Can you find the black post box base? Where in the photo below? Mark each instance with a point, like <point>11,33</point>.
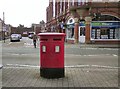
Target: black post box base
<point>52,72</point>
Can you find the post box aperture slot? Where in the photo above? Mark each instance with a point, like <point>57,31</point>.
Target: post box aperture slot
<point>57,39</point>
<point>43,39</point>
<point>44,49</point>
<point>57,49</point>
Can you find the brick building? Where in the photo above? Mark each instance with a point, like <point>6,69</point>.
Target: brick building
<point>38,28</point>
<point>85,22</point>
<point>21,30</point>
<point>4,30</point>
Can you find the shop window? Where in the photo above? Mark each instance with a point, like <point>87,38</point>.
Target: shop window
<point>111,34</point>
<point>71,33</point>
<point>117,33</point>
<point>98,34</point>
<point>104,33</point>
<point>93,33</point>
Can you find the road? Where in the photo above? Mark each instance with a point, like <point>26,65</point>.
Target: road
<point>24,53</point>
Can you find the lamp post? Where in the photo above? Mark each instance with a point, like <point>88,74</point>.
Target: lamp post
<point>3,27</point>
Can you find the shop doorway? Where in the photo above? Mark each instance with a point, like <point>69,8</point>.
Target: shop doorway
<point>82,34</point>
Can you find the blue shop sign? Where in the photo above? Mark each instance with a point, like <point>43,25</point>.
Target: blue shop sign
<point>105,24</point>
<point>70,25</point>
<point>82,23</point>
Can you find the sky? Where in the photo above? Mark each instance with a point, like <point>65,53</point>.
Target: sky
<point>24,12</point>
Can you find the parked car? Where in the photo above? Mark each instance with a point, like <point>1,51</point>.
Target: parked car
<point>14,37</point>
<point>20,36</point>
<point>30,34</point>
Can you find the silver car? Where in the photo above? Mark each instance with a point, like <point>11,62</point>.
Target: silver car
<point>20,36</point>
<point>14,37</point>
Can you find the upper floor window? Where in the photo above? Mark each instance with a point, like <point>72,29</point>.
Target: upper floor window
<point>53,8</point>
<point>61,2</point>
<point>79,2</point>
<point>71,2</point>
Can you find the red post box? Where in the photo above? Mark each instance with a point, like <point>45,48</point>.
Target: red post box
<point>52,55</point>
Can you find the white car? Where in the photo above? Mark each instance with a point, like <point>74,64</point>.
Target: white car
<point>20,36</point>
<point>14,37</point>
<point>30,36</point>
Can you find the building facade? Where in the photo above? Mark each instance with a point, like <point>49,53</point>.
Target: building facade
<point>21,30</point>
<point>0,29</point>
<point>38,28</point>
<point>4,30</point>
<point>85,22</point>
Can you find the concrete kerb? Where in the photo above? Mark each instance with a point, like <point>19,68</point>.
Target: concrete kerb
<point>79,45</point>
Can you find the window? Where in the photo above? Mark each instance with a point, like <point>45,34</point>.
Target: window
<point>72,2</point>
<point>71,20</point>
<point>79,2</point>
<point>68,3</point>
<point>53,8</point>
<point>61,6</point>
<point>71,33</point>
<point>117,33</point>
<point>105,33</point>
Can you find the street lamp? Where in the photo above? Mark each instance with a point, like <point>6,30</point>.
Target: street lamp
<point>3,27</point>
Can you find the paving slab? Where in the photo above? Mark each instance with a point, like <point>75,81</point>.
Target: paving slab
<point>88,77</point>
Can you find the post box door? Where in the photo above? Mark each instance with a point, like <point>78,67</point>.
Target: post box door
<point>52,55</point>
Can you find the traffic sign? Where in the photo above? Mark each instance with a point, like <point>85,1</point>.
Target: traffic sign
<point>4,28</point>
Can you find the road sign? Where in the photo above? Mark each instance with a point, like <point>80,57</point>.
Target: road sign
<point>4,28</point>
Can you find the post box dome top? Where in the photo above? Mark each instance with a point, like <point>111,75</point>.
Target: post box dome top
<point>51,34</point>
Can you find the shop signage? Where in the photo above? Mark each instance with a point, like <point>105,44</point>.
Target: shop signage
<point>82,23</point>
<point>105,24</point>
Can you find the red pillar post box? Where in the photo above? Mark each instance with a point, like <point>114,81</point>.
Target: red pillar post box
<point>52,55</point>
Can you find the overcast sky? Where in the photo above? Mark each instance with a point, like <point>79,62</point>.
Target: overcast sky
<point>23,12</point>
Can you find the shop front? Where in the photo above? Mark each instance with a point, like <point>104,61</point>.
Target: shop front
<point>105,31</point>
<point>70,31</point>
<point>100,32</point>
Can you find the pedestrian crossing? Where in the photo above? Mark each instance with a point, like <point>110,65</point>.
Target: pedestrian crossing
<point>30,45</point>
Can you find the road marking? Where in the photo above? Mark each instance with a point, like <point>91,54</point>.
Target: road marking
<point>30,45</point>
<point>101,48</point>
<point>114,55</point>
<point>9,43</point>
<point>19,65</point>
<point>19,54</point>
<point>71,66</point>
<point>92,55</point>
<point>101,66</point>
<point>15,54</point>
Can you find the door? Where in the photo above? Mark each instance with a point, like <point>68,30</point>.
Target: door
<point>82,34</point>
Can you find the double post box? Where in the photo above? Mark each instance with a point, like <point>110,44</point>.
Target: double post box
<point>52,55</point>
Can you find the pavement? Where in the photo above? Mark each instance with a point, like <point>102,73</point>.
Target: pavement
<point>75,77</point>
